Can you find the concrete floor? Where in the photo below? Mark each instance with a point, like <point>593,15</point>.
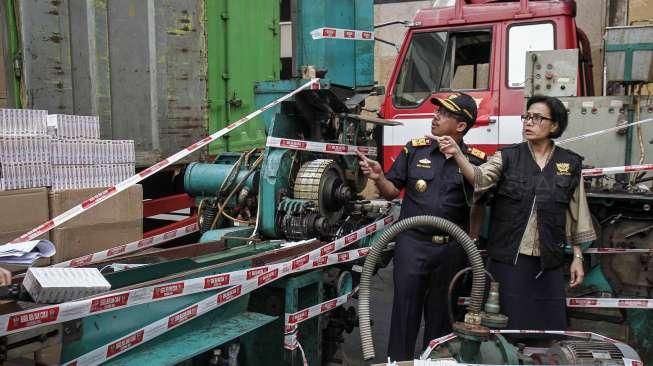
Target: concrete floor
<point>381,308</point>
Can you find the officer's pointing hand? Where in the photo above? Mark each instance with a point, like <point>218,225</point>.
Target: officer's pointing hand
<point>369,167</point>
<point>448,145</point>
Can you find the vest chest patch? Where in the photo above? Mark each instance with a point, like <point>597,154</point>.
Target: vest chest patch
<point>563,169</point>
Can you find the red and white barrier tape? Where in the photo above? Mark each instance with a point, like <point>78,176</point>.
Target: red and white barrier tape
<point>112,191</point>
<point>273,273</point>
<point>294,319</point>
<point>435,343</point>
<point>54,314</point>
<point>595,172</point>
<point>321,147</point>
<point>616,251</point>
<point>607,302</point>
<point>591,335</point>
<point>290,341</point>
<point>130,247</point>
<point>595,302</point>
<point>601,132</point>
<point>338,33</point>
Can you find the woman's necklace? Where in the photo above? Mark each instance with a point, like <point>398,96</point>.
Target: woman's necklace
<point>541,161</point>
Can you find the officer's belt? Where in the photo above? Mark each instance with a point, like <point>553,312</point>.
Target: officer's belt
<point>435,238</point>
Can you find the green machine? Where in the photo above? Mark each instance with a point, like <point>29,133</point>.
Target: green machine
<point>263,206</point>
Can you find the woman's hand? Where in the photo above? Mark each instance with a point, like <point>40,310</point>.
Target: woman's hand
<point>577,272</point>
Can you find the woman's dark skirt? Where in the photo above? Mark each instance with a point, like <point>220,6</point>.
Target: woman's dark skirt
<point>530,299</point>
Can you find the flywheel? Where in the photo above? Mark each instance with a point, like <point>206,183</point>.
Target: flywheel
<point>321,181</point>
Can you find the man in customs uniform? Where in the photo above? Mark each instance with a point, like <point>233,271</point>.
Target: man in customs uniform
<point>426,260</point>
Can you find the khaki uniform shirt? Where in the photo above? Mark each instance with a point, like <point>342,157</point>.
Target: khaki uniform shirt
<point>579,228</point>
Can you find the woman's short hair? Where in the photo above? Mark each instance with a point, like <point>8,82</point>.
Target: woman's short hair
<point>557,109</point>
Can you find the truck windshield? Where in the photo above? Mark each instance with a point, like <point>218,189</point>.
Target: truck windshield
<point>421,70</point>
<point>438,61</point>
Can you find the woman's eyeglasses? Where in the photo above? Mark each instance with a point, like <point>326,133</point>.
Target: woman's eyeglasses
<point>534,117</point>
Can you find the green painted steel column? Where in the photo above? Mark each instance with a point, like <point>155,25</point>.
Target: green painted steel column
<point>628,50</point>
<point>243,47</point>
<point>14,53</point>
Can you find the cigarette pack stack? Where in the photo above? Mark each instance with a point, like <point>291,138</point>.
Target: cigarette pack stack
<point>54,285</point>
<point>24,149</point>
<point>80,160</point>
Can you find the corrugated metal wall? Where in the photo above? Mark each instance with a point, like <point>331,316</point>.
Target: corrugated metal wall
<point>138,64</point>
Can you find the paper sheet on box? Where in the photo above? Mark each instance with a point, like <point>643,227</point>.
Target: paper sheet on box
<point>26,252</point>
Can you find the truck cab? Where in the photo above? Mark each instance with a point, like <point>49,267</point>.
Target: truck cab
<point>477,47</point>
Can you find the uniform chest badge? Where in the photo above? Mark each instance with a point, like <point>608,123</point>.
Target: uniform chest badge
<point>420,186</point>
<point>563,169</point>
<point>424,163</point>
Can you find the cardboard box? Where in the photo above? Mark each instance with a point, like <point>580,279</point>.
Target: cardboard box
<point>78,241</point>
<point>124,207</point>
<point>22,210</point>
<point>113,222</point>
<point>55,285</point>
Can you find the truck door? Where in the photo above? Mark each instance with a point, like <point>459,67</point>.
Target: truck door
<point>519,39</point>
<point>440,63</point>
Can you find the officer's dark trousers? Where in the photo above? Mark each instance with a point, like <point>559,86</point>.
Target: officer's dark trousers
<point>422,272</point>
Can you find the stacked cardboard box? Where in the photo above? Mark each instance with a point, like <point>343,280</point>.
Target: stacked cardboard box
<point>80,159</point>
<point>22,210</point>
<point>65,153</point>
<point>24,149</point>
<point>114,222</point>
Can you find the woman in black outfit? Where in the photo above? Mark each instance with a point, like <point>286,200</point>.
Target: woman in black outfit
<point>539,206</point>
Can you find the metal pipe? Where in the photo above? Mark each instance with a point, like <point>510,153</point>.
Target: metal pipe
<point>587,72</point>
<point>452,284</point>
<point>478,270</point>
<point>14,52</point>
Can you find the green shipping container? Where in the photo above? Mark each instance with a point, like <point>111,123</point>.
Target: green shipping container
<point>243,47</point>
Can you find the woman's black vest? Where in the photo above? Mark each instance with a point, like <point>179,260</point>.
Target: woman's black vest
<point>524,187</point>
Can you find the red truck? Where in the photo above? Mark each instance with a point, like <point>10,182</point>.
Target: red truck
<point>478,48</point>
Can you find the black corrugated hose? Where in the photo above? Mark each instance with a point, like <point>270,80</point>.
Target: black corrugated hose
<point>377,248</point>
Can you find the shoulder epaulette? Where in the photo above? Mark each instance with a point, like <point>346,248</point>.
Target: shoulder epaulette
<point>477,153</point>
<point>423,141</point>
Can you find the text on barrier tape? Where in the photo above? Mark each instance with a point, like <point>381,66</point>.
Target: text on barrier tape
<point>47,315</point>
<point>322,147</point>
<point>294,319</point>
<point>129,247</point>
<point>172,321</point>
<point>112,191</point>
<point>339,33</point>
